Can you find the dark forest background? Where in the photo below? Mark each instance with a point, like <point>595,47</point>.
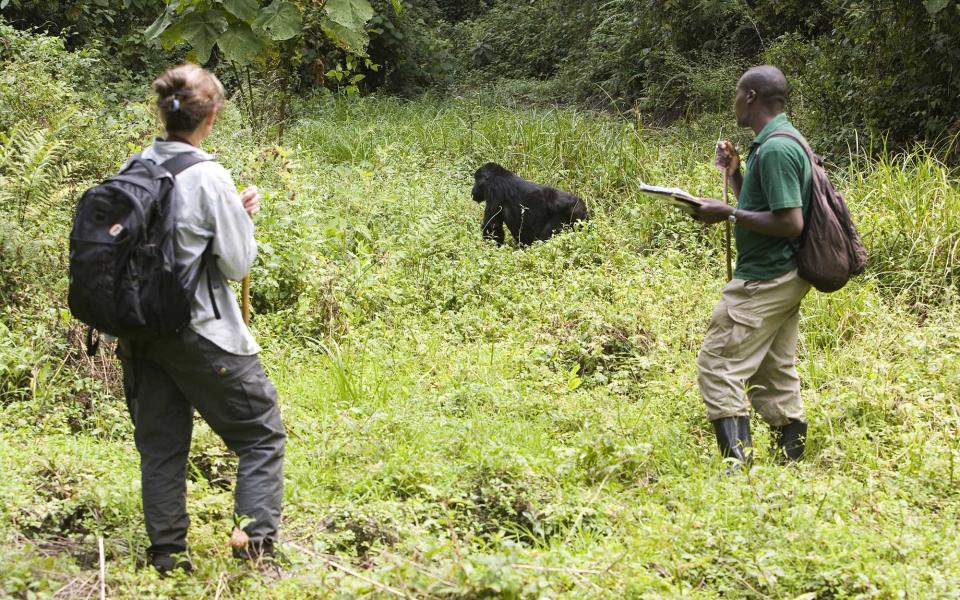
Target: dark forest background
<point>883,70</point>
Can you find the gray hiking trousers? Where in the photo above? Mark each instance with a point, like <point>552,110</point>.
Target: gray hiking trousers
<point>164,381</point>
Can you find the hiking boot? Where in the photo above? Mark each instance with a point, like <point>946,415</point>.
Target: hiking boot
<point>789,441</point>
<point>733,437</point>
<point>165,562</point>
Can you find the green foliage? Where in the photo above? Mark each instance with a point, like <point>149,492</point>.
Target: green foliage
<point>468,421</point>
<point>241,45</point>
<point>39,78</point>
<point>276,45</point>
<point>647,54</point>
<point>114,27</point>
<point>879,72</point>
<point>203,24</point>
<point>622,54</point>
<point>241,23</point>
<point>520,39</point>
<point>32,170</point>
<point>60,134</point>
<point>278,21</point>
<point>43,87</point>
<point>346,22</point>
<point>413,51</point>
<point>455,11</point>
<point>875,69</point>
<point>910,203</point>
<point>201,30</point>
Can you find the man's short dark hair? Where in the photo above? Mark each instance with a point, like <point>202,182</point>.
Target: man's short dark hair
<point>768,82</point>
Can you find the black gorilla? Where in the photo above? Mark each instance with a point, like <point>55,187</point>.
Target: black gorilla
<point>531,211</point>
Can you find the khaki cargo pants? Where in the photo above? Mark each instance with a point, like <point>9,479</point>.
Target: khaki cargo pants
<point>750,350</point>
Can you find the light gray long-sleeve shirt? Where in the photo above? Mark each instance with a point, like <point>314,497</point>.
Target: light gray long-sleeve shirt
<point>208,207</point>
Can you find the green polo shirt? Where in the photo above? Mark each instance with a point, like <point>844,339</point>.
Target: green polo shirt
<point>785,181</point>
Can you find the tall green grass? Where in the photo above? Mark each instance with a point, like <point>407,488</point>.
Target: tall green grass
<point>909,208</point>
<point>907,205</point>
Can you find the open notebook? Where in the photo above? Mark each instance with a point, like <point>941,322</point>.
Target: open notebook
<point>682,199</point>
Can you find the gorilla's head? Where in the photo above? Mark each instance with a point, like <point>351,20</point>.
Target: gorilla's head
<point>483,174</point>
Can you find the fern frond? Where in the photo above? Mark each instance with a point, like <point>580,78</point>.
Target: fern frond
<point>33,166</point>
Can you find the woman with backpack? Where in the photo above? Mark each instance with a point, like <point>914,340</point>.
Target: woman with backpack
<point>211,365</point>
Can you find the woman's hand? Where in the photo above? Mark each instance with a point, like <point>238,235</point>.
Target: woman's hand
<point>250,198</point>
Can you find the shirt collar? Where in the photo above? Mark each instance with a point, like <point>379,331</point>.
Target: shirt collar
<point>778,122</point>
<point>167,148</point>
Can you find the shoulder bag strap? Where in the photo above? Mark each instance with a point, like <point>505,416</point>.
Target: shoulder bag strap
<point>176,165</point>
<point>182,162</point>
<point>811,155</point>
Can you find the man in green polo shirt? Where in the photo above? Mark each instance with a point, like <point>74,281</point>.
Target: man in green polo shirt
<point>748,355</point>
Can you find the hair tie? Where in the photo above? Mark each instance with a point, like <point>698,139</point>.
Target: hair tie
<point>175,104</point>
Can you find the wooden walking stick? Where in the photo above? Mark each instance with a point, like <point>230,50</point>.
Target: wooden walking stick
<point>726,198</point>
<point>245,294</point>
<point>245,290</point>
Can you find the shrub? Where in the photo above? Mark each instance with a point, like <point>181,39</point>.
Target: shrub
<point>43,86</point>
<point>879,71</point>
<point>883,69</point>
<point>412,56</point>
<point>114,26</point>
<point>519,39</point>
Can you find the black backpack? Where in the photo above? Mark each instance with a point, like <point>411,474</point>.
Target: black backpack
<point>831,251</point>
<point>124,280</point>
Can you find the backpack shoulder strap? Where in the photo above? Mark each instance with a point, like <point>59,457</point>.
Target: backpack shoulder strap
<point>182,162</point>
<point>129,162</point>
<point>811,155</point>
<point>175,166</point>
<point>209,261</point>
<point>798,139</point>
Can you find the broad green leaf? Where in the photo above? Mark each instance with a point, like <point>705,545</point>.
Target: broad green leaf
<point>279,21</point>
<point>245,10</point>
<point>397,6</point>
<point>240,45</point>
<point>348,39</point>
<point>346,23</point>
<point>352,14</point>
<point>172,36</point>
<point>202,29</point>
<point>160,25</point>
<point>935,6</point>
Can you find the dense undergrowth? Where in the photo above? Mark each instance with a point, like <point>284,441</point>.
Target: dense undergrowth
<point>883,67</point>
<point>467,421</point>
